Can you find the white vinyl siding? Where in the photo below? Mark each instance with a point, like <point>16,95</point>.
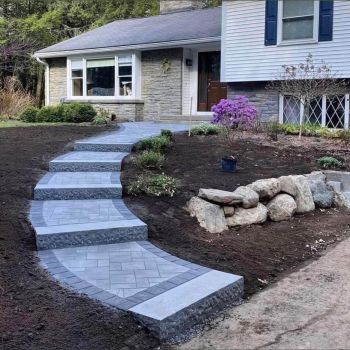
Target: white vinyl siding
<point>246,58</point>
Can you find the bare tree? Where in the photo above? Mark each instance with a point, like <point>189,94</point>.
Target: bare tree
<point>306,82</point>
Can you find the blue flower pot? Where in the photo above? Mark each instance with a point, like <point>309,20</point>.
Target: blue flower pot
<point>228,164</point>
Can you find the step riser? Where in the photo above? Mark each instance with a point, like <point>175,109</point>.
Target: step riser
<point>93,166</point>
<point>177,327</point>
<point>77,193</point>
<point>93,237</point>
<point>102,147</point>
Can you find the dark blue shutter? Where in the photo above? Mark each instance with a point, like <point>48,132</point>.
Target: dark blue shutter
<point>326,20</point>
<point>271,22</point>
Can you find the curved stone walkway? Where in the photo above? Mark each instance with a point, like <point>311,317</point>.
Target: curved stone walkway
<point>89,240</point>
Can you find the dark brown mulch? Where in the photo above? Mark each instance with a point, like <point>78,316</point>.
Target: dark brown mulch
<point>35,312</point>
<point>259,253</point>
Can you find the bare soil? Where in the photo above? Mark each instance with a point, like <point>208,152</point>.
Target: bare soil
<point>35,312</point>
<point>260,253</point>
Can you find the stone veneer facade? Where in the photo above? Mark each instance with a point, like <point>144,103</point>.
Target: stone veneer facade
<point>266,102</point>
<point>161,92</point>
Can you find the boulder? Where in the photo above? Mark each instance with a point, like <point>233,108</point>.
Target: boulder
<point>303,198</point>
<point>288,185</point>
<point>210,216</point>
<point>316,176</point>
<point>218,196</point>
<point>323,197</point>
<point>229,211</point>
<point>282,207</point>
<point>267,188</point>
<point>250,198</point>
<point>243,217</point>
<point>339,199</point>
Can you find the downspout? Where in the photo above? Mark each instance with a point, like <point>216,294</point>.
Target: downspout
<point>47,80</point>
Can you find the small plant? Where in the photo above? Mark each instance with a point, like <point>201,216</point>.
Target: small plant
<point>150,160</point>
<point>330,162</point>
<point>157,143</point>
<point>234,115</point>
<point>167,133</point>
<point>29,115</point>
<point>343,135</point>
<point>273,129</point>
<point>102,117</point>
<point>206,129</point>
<point>153,185</point>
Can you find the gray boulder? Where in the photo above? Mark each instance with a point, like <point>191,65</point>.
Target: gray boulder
<point>210,216</point>
<point>323,197</point>
<point>229,211</point>
<point>267,188</point>
<point>250,198</point>
<point>244,217</point>
<point>340,200</point>
<point>218,196</point>
<point>303,198</point>
<point>288,185</point>
<point>282,207</point>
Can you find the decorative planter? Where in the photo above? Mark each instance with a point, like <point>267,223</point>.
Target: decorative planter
<point>229,164</point>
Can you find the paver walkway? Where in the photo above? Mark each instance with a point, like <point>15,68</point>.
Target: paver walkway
<point>91,242</point>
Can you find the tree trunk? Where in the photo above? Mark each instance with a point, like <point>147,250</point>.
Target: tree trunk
<point>40,87</point>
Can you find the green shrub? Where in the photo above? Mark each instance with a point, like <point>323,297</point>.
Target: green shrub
<point>79,113</point>
<point>102,117</point>
<point>167,133</point>
<point>157,143</point>
<point>206,129</point>
<point>149,160</point>
<point>153,185</point>
<point>29,115</point>
<point>343,135</point>
<point>51,114</point>
<point>329,162</point>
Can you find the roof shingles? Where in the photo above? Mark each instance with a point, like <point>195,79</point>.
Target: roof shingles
<point>197,24</point>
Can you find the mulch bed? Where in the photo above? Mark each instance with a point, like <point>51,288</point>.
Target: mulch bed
<point>35,312</point>
<point>261,254</point>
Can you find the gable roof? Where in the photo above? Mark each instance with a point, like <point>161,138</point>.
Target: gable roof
<point>196,25</point>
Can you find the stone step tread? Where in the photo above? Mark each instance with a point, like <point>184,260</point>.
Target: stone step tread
<point>167,294</point>
<point>80,180</point>
<point>90,156</point>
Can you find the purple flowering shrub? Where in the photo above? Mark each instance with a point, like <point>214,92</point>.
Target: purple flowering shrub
<point>234,113</point>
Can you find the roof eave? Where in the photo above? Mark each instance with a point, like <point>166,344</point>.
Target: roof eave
<point>164,44</point>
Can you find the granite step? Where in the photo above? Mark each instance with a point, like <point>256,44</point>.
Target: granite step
<point>88,161</point>
<point>168,295</point>
<point>78,185</point>
<point>69,223</point>
<point>98,146</point>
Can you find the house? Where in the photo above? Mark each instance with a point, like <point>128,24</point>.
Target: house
<point>144,68</point>
<point>258,37</point>
<point>187,59</point>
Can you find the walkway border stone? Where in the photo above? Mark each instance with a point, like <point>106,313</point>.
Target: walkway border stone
<point>81,243</point>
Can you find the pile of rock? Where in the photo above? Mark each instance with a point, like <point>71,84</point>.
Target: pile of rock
<point>274,199</point>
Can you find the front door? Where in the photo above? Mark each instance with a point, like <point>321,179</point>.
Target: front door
<point>210,89</point>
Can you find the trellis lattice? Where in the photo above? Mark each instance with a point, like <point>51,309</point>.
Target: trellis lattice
<point>313,113</point>
<point>335,112</point>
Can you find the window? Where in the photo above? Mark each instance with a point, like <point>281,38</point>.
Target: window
<point>110,77</point>
<point>298,20</point>
<point>125,75</point>
<point>77,77</point>
<point>327,111</point>
<point>100,79</point>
